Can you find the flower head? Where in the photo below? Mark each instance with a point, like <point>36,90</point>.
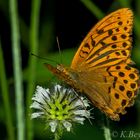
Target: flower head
<point>59,107</point>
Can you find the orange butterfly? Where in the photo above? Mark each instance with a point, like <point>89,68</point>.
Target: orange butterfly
<point>101,68</point>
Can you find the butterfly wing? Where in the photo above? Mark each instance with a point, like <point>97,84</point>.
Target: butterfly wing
<point>110,89</point>
<point>108,42</point>
<point>102,63</point>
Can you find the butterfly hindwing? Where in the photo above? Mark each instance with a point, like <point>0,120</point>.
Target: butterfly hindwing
<point>124,88</point>
<point>111,89</point>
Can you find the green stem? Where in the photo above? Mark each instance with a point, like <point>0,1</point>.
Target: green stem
<point>93,8</point>
<point>137,7</point>
<point>56,136</point>
<point>6,99</point>
<point>125,3</point>
<point>58,133</point>
<point>107,133</point>
<point>137,27</point>
<point>137,20</point>
<point>32,62</point>
<point>17,68</point>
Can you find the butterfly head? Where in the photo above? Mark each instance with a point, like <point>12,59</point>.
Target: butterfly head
<point>63,73</point>
<point>59,70</point>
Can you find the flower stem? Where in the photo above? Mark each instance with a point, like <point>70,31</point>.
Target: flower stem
<point>106,129</point>
<point>56,136</point>
<point>17,68</point>
<point>58,133</point>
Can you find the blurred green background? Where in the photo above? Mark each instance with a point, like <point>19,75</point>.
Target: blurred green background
<point>32,27</point>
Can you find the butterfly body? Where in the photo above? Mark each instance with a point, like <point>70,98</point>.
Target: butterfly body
<point>101,68</point>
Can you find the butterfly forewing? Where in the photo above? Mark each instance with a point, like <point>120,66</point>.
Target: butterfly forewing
<point>108,43</point>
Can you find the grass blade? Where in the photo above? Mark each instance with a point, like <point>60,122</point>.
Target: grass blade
<point>93,8</point>
<point>6,98</point>
<point>32,62</point>
<point>17,69</point>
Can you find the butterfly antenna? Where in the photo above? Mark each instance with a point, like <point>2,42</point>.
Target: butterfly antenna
<point>59,49</point>
<point>44,58</point>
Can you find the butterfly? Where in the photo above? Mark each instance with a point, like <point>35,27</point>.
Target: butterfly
<point>102,67</point>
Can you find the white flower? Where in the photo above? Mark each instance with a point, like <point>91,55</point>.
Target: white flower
<point>59,106</point>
